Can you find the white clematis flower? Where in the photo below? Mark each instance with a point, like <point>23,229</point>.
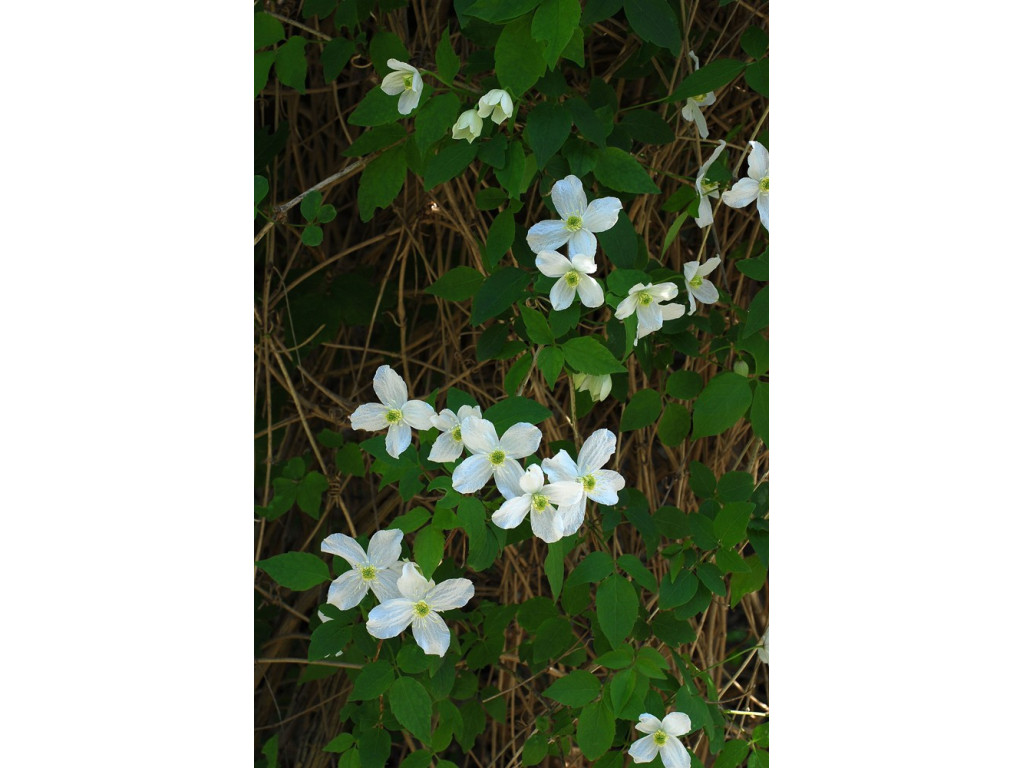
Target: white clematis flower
<point>370,570</point>
<point>651,314</point>
<point>468,126</point>
<point>493,457</point>
<point>579,220</point>
<point>663,738</point>
<point>573,275</point>
<point>755,186</point>
<point>707,189</point>
<point>537,499</point>
<point>599,387</point>
<point>762,652</point>
<point>496,104</point>
<point>395,412</point>
<point>405,80</point>
<point>601,485</point>
<point>697,288</point>
<point>691,111</point>
<point>448,446</point>
<point>419,603</point>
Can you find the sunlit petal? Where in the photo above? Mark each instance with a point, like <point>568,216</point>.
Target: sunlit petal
<point>568,197</point>
<point>431,634</point>
<point>520,440</point>
<point>512,512</point>
<point>449,594</point>
<point>673,753</point>
<point>562,294</point>
<point>347,590</point>
<point>398,438</point>
<point>676,723</point>
<point>560,468</point>
<point>385,548</point>
<point>547,235</point>
<point>506,477</point>
<point>479,435</point>
<point>743,193</point>
<point>369,416</point>
<point>390,617</point>
<point>590,291</point>
<point>607,486</point>
<point>345,547</point>
<point>643,750</point>
<point>602,214</point>
<point>418,414</point>
<point>597,450</point>
<point>472,474</point>
<point>552,264</point>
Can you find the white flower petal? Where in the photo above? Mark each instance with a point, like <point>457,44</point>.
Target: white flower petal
<point>710,161</point>
<point>401,66</point>
<point>762,208</point>
<point>553,264</point>
<point>649,318</point>
<point>690,269</point>
<point>584,263</point>
<point>546,525</point>
<point>479,435</point>
<point>385,586</point>
<point>345,547</point>
<point>472,474</point>
<point>627,307</point>
<point>385,548</point>
<point>418,414</point>
<point>561,467</point>
<point>393,83</point>
<point>512,512</point>
<point>676,723</point>
<point>407,101</point>
<point>643,750</point>
<point>691,299</point>
<point>705,292</point>
<point>411,584</point>
<point>597,450</point>
<point>648,723</point>
<point>673,311</point>
<point>369,416</point>
<point>568,197</point>
<point>696,61</point>
<point>390,618</point>
<point>449,594</point>
<point>572,516</point>
<point>445,420</point>
<point>431,634</point>
<point>701,123</point>
<point>445,449</point>
<point>590,291</point>
<point>347,590</point>
<point>704,216</point>
<point>583,242</point>
<point>465,411</point>
<point>757,162</point>
<point>506,477</point>
<point>398,438</point>
<point>674,754</point>
<point>602,214</point>
<point>547,235</point>
<point>563,492</point>
<point>562,294</point>
<point>606,489</point>
<point>520,440</point>
<point>664,291</point>
<point>390,387</point>
<point>708,266</point>
<point>533,480</point>
<point>743,193</point>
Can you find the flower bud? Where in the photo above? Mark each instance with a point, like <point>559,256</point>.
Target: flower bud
<point>497,105</point>
<point>741,368</point>
<point>468,126</point>
<point>598,386</point>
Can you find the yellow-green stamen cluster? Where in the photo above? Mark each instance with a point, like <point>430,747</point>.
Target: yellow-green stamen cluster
<point>407,82</point>
<point>708,186</point>
<point>644,298</point>
<point>540,502</point>
<point>660,737</point>
<point>574,223</point>
<point>589,483</point>
<point>497,458</point>
<point>696,281</point>
<point>421,608</point>
<point>457,434</point>
<point>368,572</point>
<point>393,416</point>
<point>763,184</point>
<point>572,279</point>
<point>699,99</point>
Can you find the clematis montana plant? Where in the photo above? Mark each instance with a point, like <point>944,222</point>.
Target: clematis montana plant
<point>543,502</point>
<point>449,446</point>
<point>395,412</point>
<point>573,275</point>
<point>755,186</point>
<point>419,603</point>
<point>405,80</point>
<point>697,287</point>
<point>493,457</point>
<point>692,111</point>
<point>645,301</point>
<point>600,485</point>
<point>663,738</point>
<point>371,570</point>
<point>707,189</point>
<point>579,221</point>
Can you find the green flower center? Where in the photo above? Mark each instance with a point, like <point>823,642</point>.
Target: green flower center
<point>369,572</point>
<point>572,279</point>
<point>644,298</point>
<point>700,99</point>
<point>708,186</point>
<point>763,184</point>
<point>393,416</point>
<point>457,434</point>
<point>407,81</point>
<point>589,483</point>
<point>574,223</point>
<point>421,608</point>
<point>696,281</point>
<point>497,458</point>
<point>660,737</point>
<point>540,502</point>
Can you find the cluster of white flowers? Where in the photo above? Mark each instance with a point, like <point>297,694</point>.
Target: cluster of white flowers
<point>495,104</point>
<point>405,596</point>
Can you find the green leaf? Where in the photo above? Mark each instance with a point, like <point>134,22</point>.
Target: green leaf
<point>490,198</point>
<point>554,566</point>
<point>673,231</point>
<point>554,636</point>
<point>647,126</point>
<point>553,25</point>
<point>335,57</point>
<point>374,748</point>
<point>621,689</point>
<point>617,608</point>
<point>730,562</point>
<point>755,269</point>
<point>410,703</point>
<point>634,566</point>
<point>537,327</point>
<point>518,58</point>
<point>757,314</point>
<point>757,77</point>
<point>386,45</point>
<point>754,42</point>
<point>676,592</point>
<point>709,77</point>
<point>263,62</point>
<point>618,170</point>
<point>654,21</point>
<point>290,63</point>
<point>621,244</point>
<point>411,520</point>
<point>448,163</point>
<point>745,583</point>
<point>513,410</point>
<point>517,373</point>
<point>731,522</point>
<point>500,237</point>
<point>675,424</point>
<point>329,639</point>
<point>447,61</point>
<point>599,10</point>
<point>375,138</point>
<point>296,570</point>
<point>651,663</point>
<point>499,292</point>
<point>587,355</point>
<point>735,486</point>
<point>547,127</point>
<point>595,730</point>
<point>500,10</point>
<point>592,568</point>
<point>511,175</point>
<point>702,480</point>
<point>575,689</point>
<point>310,492</point>
<point>340,743</point>
<point>381,181</point>
<point>269,751</point>
<point>732,754</point>
<point>642,410</point>
<point>535,749</point>
<point>620,658</point>
<point>267,30</point>
<point>310,205</point>
<point>262,187</point>
<point>711,577</point>
<point>326,214</point>
<point>428,549</point>
<point>435,119</point>
<point>724,400</point>
<point>456,284</point>
<point>550,362</point>
<point>759,411</point>
<point>376,108</point>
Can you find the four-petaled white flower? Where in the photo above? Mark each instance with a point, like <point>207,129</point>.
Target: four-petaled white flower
<point>755,186</point>
<point>370,570</point>
<point>693,106</point>
<point>663,736</point>
<point>468,126</point>
<point>405,80</point>
<point>707,189</point>
<point>696,286</point>
<point>579,220</point>
<point>651,314</point>
<point>494,457</point>
<point>598,386</point>
<point>496,104</point>
<point>419,603</point>
<point>538,499</point>
<point>395,412</point>
<point>601,485</point>
<point>573,275</point>
<point>448,446</point>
